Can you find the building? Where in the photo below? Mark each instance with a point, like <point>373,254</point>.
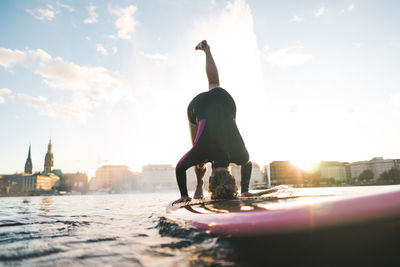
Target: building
<point>284,172</point>
<point>334,169</point>
<point>76,181</point>
<point>49,159</point>
<point>27,182</point>
<point>377,165</point>
<point>157,177</point>
<point>114,177</point>
<point>28,163</point>
<point>256,175</point>
<point>20,184</point>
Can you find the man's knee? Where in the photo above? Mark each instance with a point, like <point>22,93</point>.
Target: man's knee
<point>180,168</point>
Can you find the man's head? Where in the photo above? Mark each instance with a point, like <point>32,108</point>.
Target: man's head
<point>222,185</point>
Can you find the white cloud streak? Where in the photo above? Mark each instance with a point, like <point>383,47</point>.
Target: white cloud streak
<point>69,8</point>
<point>92,15</point>
<point>289,56</point>
<point>125,22</point>
<point>4,92</point>
<point>100,48</point>
<point>89,86</point>
<point>158,58</point>
<point>348,9</point>
<point>42,14</point>
<point>296,19</point>
<point>49,13</point>
<point>319,12</point>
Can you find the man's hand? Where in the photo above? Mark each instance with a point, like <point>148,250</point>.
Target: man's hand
<point>182,200</point>
<point>199,193</point>
<point>247,194</point>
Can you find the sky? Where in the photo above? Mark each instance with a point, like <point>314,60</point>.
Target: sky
<point>109,81</point>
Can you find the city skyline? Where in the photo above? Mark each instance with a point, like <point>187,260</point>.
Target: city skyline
<point>48,165</point>
<point>110,81</point>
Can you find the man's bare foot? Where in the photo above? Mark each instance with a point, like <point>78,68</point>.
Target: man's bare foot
<point>203,46</point>
<point>182,200</point>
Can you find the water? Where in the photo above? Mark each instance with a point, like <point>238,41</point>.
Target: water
<point>121,229</point>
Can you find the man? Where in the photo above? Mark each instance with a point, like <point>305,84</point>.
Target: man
<point>215,139</point>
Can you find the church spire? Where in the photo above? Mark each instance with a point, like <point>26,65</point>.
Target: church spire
<point>49,159</point>
<point>28,163</point>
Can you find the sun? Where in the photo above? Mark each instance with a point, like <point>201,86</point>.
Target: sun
<point>305,164</point>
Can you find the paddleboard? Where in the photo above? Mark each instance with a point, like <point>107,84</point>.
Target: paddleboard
<point>350,226</point>
<point>285,210</point>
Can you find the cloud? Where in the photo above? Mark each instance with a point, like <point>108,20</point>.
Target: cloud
<point>348,9</point>
<point>89,86</point>
<point>213,4</point>
<point>69,8</point>
<point>40,103</point>
<point>93,15</point>
<point>110,36</point>
<point>3,92</point>
<point>319,12</point>
<point>42,14</point>
<point>100,48</point>
<point>9,58</point>
<point>125,22</point>
<point>158,58</point>
<point>289,56</point>
<point>114,50</point>
<point>296,19</point>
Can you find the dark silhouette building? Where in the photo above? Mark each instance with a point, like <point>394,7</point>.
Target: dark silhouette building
<point>28,163</point>
<point>284,172</point>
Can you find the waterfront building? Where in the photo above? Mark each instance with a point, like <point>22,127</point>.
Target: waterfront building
<point>162,177</point>
<point>284,172</point>
<point>76,181</point>
<point>377,165</point>
<point>27,182</point>
<point>19,184</point>
<point>28,163</point>
<point>115,177</point>
<point>49,159</point>
<point>157,177</point>
<point>256,175</point>
<point>334,169</point>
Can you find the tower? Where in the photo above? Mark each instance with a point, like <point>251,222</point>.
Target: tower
<point>28,163</point>
<point>49,159</point>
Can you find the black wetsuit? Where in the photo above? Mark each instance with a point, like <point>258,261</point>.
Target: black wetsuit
<point>217,140</point>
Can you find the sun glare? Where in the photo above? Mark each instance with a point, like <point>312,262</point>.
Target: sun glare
<point>305,164</point>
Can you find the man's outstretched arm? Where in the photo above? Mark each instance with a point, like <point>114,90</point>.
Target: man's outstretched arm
<point>211,67</point>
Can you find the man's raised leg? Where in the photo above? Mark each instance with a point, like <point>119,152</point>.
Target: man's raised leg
<point>211,67</point>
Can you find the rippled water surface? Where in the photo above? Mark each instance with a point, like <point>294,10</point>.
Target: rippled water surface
<point>120,229</point>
